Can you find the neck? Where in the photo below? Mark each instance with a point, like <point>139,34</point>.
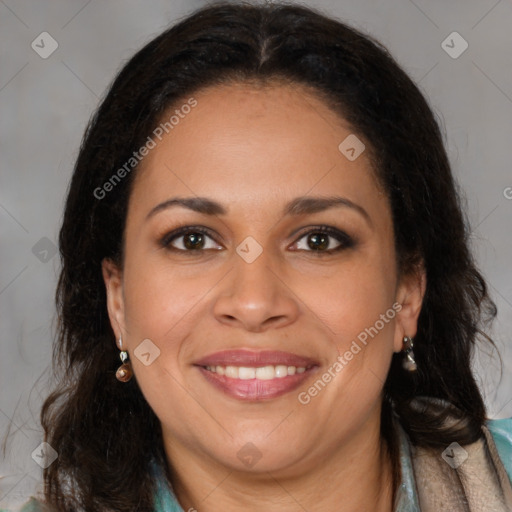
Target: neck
<point>355,476</point>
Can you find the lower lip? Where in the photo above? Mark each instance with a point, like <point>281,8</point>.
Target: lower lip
<point>256,389</point>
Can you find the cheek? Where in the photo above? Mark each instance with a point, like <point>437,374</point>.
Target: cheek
<point>161,307</point>
<point>355,307</point>
<point>158,300</point>
<point>352,297</point>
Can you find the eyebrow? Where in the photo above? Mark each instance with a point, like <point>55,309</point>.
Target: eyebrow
<point>299,206</point>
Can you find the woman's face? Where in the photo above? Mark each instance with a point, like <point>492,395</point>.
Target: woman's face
<point>260,335</point>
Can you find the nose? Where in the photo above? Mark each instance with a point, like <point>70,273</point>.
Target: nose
<point>255,297</point>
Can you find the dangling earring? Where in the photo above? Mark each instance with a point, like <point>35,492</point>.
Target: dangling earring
<point>124,372</point>
<point>409,363</point>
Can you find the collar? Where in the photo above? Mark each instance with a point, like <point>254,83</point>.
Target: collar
<point>407,494</point>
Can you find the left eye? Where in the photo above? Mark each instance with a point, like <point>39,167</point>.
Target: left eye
<point>320,240</point>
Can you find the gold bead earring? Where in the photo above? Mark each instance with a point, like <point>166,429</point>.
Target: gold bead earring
<point>124,373</point>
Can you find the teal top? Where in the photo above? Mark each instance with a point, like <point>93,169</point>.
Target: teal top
<point>407,496</point>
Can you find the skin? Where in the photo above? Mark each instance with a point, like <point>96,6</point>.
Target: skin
<point>254,149</point>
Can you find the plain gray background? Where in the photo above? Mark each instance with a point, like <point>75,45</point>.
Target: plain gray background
<point>46,103</point>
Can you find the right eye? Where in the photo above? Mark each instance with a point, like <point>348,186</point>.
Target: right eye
<point>191,239</point>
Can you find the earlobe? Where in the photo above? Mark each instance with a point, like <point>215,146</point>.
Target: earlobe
<point>112,277</point>
<point>410,294</point>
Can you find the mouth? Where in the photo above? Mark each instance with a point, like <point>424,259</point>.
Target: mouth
<point>255,376</point>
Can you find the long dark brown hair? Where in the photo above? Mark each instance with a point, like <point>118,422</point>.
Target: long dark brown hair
<point>104,431</point>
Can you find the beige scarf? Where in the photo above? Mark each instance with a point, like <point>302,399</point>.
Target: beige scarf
<point>456,483</point>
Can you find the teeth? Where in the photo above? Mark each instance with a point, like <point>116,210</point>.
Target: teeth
<point>231,371</point>
<point>246,373</point>
<point>281,371</point>
<point>263,373</point>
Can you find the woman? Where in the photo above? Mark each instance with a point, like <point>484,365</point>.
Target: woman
<point>267,299</point>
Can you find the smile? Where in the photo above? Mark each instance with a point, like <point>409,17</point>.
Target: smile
<point>254,376</point>
<point>261,373</point>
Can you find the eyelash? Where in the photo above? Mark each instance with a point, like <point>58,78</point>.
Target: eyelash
<point>345,241</point>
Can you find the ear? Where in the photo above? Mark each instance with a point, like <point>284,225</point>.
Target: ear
<point>410,293</point>
<point>113,278</point>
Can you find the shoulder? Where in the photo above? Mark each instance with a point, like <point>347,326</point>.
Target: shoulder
<point>33,505</point>
<point>501,431</point>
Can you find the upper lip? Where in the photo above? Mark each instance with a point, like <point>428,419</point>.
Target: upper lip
<point>255,359</point>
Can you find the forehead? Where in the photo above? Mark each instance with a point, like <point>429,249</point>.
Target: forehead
<point>247,144</point>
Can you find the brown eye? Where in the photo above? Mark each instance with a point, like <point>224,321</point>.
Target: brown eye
<point>318,241</point>
<point>193,241</point>
<point>324,240</point>
<point>189,239</point>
